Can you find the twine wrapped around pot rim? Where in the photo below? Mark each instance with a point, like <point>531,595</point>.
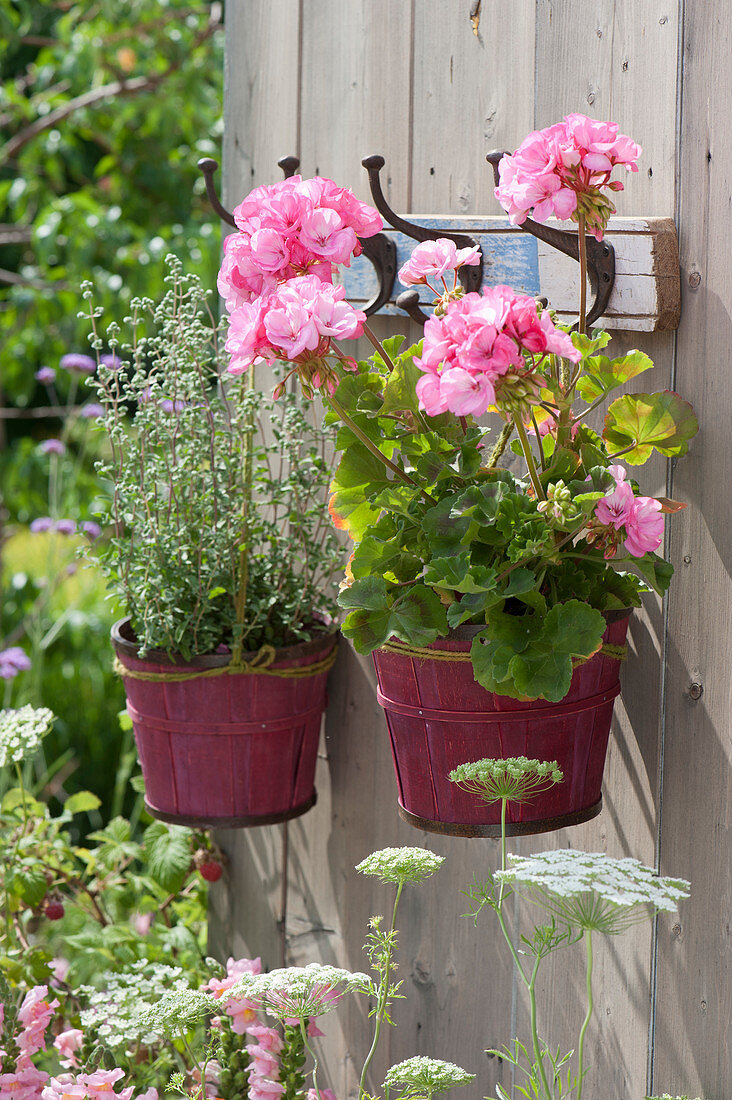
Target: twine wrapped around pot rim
<point>259,665</point>
<point>424,653</point>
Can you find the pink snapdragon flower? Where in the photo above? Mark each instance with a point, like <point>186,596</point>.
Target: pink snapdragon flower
<point>262,1088</point>
<point>321,1094</point>
<point>100,1084</point>
<point>563,170</point>
<point>34,1015</point>
<point>241,1010</point>
<point>479,340</point>
<point>67,1043</point>
<point>25,1083</point>
<point>433,259</point>
<point>267,1037</point>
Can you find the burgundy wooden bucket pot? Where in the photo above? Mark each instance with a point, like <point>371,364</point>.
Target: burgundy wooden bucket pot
<point>439,717</point>
<point>230,750</point>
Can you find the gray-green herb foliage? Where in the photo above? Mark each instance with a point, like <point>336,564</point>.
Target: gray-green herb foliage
<point>177,450</point>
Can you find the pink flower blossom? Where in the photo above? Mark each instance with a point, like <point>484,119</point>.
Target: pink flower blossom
<point>141,922</point>
<point>325,1094</point>
<point>34,1015</point>
<point>294,227</point>
<point>59,969</point>
<point>148,1094</point>
<point>261,1088</point>
<point>644,527</point>
<point>26,1083</point>
<point>433,259</point>
<point>67,1043</point>
<point>478,340</point>
<point>615,508</point>
<point>100,1084</point>
<point>64,1087</point>
<point>267,1037</point>
<point>263,1061</point>
<point>563,170</point>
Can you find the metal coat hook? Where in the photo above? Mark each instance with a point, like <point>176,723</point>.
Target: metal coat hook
<point>380,250</point>
<point>600,254</point>
<point>470,277</point>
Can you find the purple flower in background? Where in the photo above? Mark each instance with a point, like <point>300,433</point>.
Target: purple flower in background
<point>91,529</point>
<point>65,526</point>
<point>46,375</point>
<point>145,395</point>
<point>91,411</point>
<point>111,360</point>
<point>176,406</point>
<point>78,364</point>
<point>43,523</point>
<point>13,661</point>
<point>52,447</point>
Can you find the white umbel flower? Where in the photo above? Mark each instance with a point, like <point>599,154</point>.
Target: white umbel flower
<point>21,732</point>
<point>592,891</point>
<point>300,991</point>
<point>423,1077</point>
<point>401,865</point>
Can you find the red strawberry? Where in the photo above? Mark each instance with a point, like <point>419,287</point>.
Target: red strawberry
<point>54,910</point>
<point>211,870</point>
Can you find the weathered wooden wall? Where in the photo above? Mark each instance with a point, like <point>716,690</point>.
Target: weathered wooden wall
<point>334,80</point>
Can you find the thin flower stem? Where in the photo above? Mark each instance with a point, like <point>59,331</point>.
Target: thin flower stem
<point>378,346</point>
<point>19,772</point>
<point>382,1002</point>
<point>526,448</point>
<point>581,232</point>
<point>540,447</point>
<point>313,1055</point>
<point>538,1052</point>
<point>363,438</point>
<point>590,1006</point>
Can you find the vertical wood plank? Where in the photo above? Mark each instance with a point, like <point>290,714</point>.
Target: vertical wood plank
<point>694,992</point>
<point>474,90</point>
<point>597,59</point>
<point>261,92</point>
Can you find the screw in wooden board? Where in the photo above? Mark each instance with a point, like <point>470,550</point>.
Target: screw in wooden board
<point>696,691</point>
<point>694,280</point>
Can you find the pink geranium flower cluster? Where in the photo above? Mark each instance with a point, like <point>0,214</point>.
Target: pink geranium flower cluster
<point>478,345</point>
<point>432,260</point>
<point>294,324</point>
<point>563,170</point>
<point>295,227</point>
<point>622,516</point>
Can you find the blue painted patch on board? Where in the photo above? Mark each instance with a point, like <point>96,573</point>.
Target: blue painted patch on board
<point>510,257</point>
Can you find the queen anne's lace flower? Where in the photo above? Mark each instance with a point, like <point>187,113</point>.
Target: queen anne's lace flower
<point>401,865</point>
<point>592,891</point>
<point>177,1008</point>
<point>114,1007</point>
<point>422,1076</point>
<point>21,732</point>
<point>300,992</point>
<point>515,778</point>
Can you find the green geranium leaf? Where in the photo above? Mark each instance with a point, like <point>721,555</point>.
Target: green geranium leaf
<point>530,656</point>
<point>602,374</point>
<point>661,420</point>
<point>359,477</point>
<point>445,532</point>
<point>472,604</point>
<point>399,392</point>
<point>458,574</point>
<point>168,851</point>
<point>368,593</point>
<point>654,569</point>
<point>415,616</point>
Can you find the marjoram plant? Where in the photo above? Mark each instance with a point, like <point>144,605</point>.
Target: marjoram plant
<point>217,522</point>
<point>444,535</point>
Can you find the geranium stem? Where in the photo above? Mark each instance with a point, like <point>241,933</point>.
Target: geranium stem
<point>382,1002</point>
<point>526,448</point>
<point>371,446</point>
<point>378,346</point>
<point>590,1006</point>
<point>581,231</point>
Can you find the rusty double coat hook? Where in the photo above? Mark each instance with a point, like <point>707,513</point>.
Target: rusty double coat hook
<point>381,249</point>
